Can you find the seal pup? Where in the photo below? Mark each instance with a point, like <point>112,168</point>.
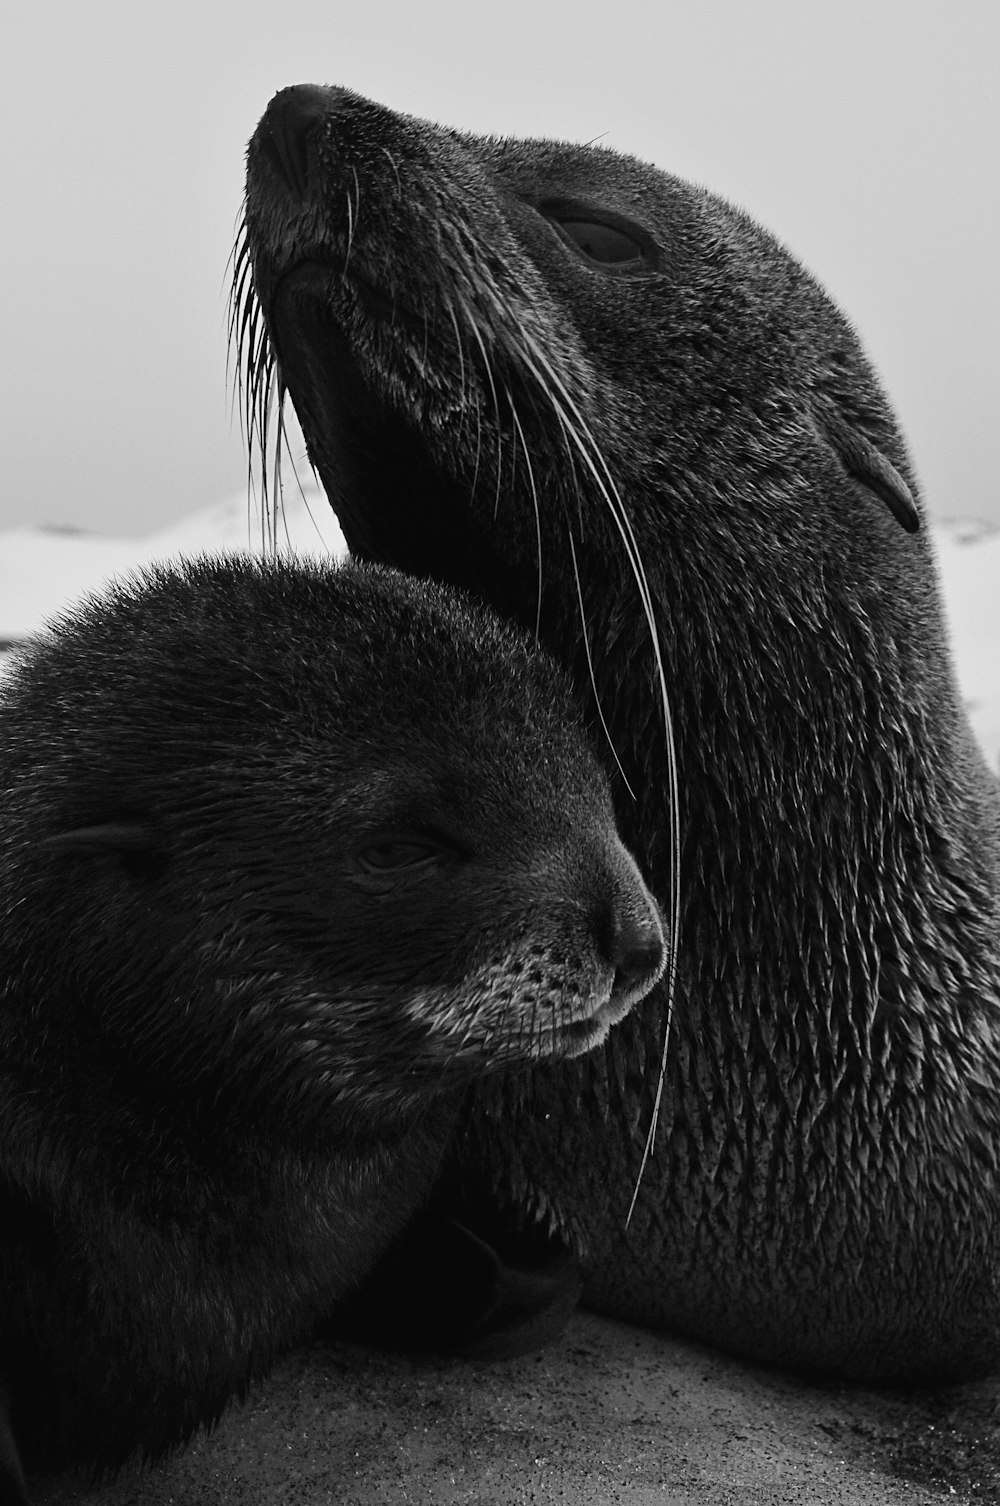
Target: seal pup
<point>290,855</point>
<point>612,406</point>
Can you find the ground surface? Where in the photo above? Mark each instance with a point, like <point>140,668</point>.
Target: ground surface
<point>610,1414</point>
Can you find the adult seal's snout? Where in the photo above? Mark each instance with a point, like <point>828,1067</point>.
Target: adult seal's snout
<point>289,126</point>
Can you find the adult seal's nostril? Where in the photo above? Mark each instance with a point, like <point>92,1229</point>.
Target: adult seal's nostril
<point>290,122</point>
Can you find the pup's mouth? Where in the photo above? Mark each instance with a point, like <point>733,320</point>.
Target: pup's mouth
<point>581,1036</point>
<point>577,1037</point>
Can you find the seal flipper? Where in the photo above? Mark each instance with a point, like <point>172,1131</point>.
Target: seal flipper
<point>867,464</point>
<point>444,1288</point>
<point>13,1490</point>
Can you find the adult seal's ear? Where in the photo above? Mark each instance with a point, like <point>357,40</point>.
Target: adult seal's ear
<point>867,464</point>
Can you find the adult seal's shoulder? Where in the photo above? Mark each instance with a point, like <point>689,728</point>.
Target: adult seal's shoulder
<point>613,406</point>
<point>289,857</point>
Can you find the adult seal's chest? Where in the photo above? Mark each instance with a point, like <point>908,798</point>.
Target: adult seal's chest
<point>617,410</point>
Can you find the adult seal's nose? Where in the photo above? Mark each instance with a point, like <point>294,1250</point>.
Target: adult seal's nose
<point>287,124</point>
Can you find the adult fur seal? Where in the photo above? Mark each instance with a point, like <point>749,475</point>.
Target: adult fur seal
<point>598,398</point>
<point>289,856</point>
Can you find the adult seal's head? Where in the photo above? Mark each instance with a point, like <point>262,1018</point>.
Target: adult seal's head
<point>610,404</point>
<point>289,856</point>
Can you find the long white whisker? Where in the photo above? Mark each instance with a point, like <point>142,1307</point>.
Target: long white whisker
<point>552,385</point>
<point>590,662</point>
<point>477,410</point>
<point>538,518</point>
<point>351,220</point>
<point>488,368</point>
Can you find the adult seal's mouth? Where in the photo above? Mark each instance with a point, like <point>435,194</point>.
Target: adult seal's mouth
<point>399,507</point>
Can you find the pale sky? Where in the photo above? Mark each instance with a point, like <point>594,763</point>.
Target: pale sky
<point>865,134</point>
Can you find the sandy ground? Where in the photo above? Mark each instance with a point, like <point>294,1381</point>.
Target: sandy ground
<point>610,1414</point>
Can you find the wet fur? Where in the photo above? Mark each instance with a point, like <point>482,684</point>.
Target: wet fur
<point>234,1032</point>
<point>698,440</point>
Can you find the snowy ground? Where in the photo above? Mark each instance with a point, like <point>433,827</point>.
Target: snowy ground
<point>43,571</point>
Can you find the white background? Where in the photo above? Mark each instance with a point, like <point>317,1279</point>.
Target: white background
<point>864,133</point>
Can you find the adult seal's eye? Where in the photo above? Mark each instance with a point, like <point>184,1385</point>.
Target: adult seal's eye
<point>601,237</point>
<point>601,243</point>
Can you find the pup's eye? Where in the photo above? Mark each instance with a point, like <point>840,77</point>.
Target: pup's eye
<point>399,860</point>
<point>384,857</point>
